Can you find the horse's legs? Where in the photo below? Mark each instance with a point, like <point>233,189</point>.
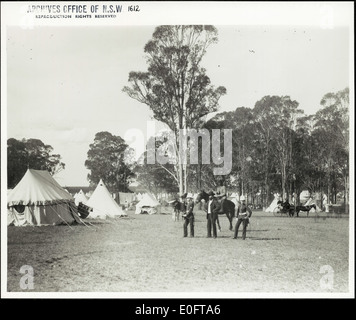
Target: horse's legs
<point>218,223</point>
<point>229,216</point>
<point>176,215</point>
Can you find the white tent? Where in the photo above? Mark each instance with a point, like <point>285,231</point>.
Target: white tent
<point>80,197</point>
<point>139,196</point>
<point>126,198</point>
<point>311,201</point>
<point>304,196</point>
<point>103,205</point>
<point>274,204</point>
<point>148,204</point>
<point>234,197</point>
<point>39,200</point>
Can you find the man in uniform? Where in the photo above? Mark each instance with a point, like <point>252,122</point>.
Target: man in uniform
<point>212,208</point>
<point>189,216</point>
<point>243,214</point>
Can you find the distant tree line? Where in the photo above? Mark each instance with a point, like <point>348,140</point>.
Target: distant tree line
<point>275,148</point>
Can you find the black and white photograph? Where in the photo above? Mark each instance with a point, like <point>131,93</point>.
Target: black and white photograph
<point>177,150</point>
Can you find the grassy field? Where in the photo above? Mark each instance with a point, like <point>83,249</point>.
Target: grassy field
<point>147,253</point>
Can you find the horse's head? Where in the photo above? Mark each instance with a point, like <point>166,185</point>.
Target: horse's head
<point>183,196</point>
<point>202,195</point>
<point>199,197</point>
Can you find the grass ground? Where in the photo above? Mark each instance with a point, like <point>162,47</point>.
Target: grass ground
<point>147,253</point>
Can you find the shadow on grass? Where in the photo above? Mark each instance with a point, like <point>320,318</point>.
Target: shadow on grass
<point>260,238</point>
<point>247,238</point>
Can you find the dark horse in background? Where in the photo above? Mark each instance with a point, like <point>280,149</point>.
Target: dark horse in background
<point>179,207</point>
<point>227,206</point>
<point>304,208</point>
<point>287,208</point>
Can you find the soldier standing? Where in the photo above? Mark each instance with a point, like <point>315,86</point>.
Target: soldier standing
<point>212,208</point>
<point>189,217</point>
<point>243,214</point>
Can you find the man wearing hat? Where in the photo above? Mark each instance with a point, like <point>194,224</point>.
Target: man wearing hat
<point>189,216</point>
<point>212,208</point>
<point>243,214</point>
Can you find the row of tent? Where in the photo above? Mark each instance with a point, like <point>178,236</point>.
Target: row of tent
<point>147,204</point>
<point>306,198</point>
<point>38,199</point>
<point>124,198</point>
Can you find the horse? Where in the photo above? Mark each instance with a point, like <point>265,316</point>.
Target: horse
<point>286,207</point>
<point>305,208</point>
<point>178,206</point>
<point>227,207</point>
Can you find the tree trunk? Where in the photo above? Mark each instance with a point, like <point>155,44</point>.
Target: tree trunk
<point>328,188</point>
<point>180,171</point>
<point>199,177</point>
<point>185,177</point>
<point>346,194</point>
<point>290,192</point>
<point>283,182</point>
<point>178,147</point>
<point>267,199</point>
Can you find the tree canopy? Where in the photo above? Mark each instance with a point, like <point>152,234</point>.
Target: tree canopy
<point>175,86</point>
<point>30,153</point>
<point>106,160</point>
<point>277,148</point>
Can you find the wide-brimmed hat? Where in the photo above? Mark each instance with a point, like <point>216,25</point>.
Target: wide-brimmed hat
<point>190,195</point>
<point>242,198</point>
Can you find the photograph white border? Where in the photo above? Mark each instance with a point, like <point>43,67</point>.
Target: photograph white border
<point>314,14</point>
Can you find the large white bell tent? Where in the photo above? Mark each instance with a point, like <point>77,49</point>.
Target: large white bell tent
<point>148,204</point>
<point>103,204</point>
<point>273,204</point>
<point>39,200</point>
<point>80,197</point>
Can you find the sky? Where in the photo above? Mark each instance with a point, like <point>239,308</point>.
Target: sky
<point>64,81</point>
